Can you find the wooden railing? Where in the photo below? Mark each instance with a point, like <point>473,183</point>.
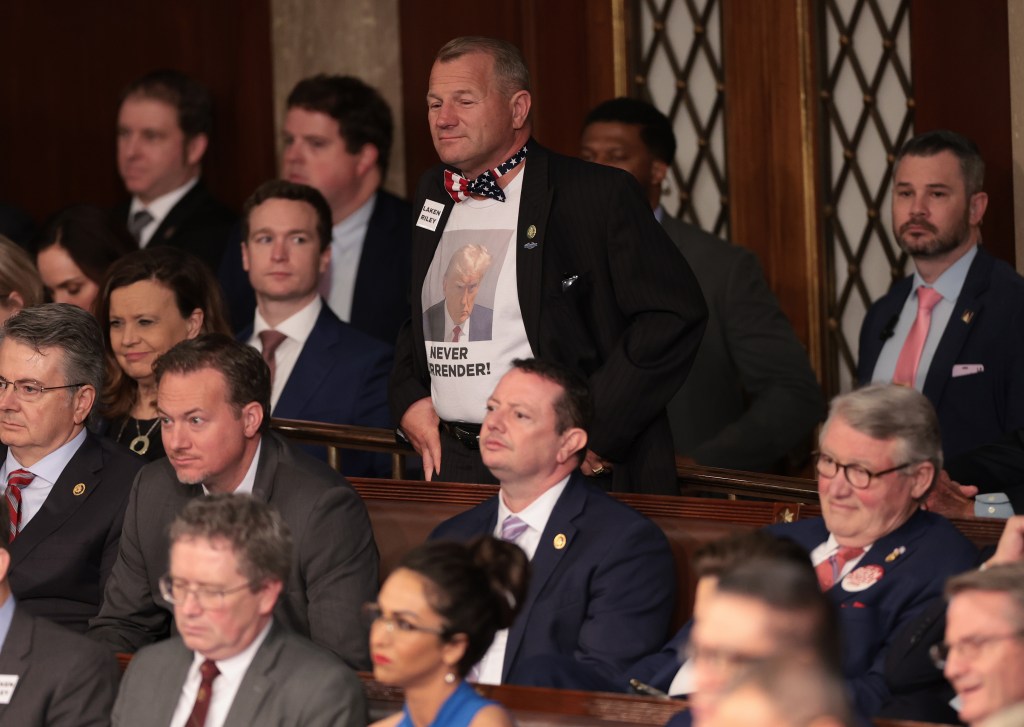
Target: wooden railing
<point>693,479</point>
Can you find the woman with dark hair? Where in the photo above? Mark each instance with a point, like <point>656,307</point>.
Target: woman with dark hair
<point>151,299</point>
<point>74,252</point>
<point>435,618</point>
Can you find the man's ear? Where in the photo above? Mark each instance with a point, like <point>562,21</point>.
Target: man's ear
<point>574,439</point>
<point>923,477</point>
<point>5,564</point>
<point>978,205</point>
<point>252,418</point>
<point>367,159</point>
<point>195,148</point>
<point>659,170</point>
<point>83,400</point>
<point>520,103</point>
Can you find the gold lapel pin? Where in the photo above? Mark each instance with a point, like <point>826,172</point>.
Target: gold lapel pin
<point>531,232</point>
<point>79,489</point>
<point>559,541</point>
<point>896,553</point>
<point>967,316</point>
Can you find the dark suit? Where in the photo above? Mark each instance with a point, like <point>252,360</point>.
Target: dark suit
<point>380,301</point>
<point>289,682</point>
<point>340,377</point>
<point>198,224</point>
<point>994,467</point>
<point>751,397</point>
<point>983,407</point>
<point>869,619</point>
<point>481,323</point>
<point>334,565</point>
<point>602,290</point>
<point>65,679</point>
<point>594,605</point>
<point>60,561</point>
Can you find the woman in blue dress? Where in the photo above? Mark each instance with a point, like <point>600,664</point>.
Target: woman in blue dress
<point>435,617</point>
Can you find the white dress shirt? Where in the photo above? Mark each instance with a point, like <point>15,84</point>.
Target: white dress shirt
<point>347,239</point>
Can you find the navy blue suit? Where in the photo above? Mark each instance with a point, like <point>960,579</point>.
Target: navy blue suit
<point>481,323</point>
<point>870,618</point>
<point>340,377</point>
<point>595,605</point>
<point>983,407</point>
<point>380,301</point>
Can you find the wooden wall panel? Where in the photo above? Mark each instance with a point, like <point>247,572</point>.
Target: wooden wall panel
<point>961,74</point>
<point>66,63</point>
<point>567,45</point>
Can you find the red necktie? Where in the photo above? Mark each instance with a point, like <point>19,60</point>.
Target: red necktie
<point>456,332</point>
<point>16,480</point>
<point>271,339</point>
<point>829,570</point>
<point>208,671</point>
<point>910,355</point>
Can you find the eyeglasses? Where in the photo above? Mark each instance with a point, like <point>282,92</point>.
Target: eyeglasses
<point>969,647</point>
<point>719,659</point>
<point>372,614</point>
<point>858,476</point>
<point>30,390</point>
<point>176,591</point>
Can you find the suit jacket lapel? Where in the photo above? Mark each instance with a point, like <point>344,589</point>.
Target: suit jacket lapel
<point>18,644</point>
<point>315,360</point>
<point>534,208</point>
<point>169,682</point>
<point>257,682</point>
<point>374,261</point>
<point>886,553</point>
<point>266,468</point>
<point>965,312</point>
<point>547,558</point>
<point>181,211</point>
<point>84,468</point>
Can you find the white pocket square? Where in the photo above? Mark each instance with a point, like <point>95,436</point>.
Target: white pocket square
<point>967,369</point>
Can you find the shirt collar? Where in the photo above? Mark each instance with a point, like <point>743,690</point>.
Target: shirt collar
<point>952,280</point>
<point>245,487</point>
<point>538,512</point>
<point>162,205</point>
<point>52,465</point>
<point>297,326</point>
<point>341,233</point>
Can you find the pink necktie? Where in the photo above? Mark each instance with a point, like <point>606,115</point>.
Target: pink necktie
<point>829,570</point>
<point>910,355</point>
<point>271,339</point>
<point>456,332</point>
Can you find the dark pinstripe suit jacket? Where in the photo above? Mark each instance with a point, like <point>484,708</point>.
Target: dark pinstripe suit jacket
<point>602,290</point>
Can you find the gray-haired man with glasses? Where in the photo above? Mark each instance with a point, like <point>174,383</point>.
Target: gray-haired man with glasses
<point>64,488</point>
<point>879,556</point>
<point>232,662</point>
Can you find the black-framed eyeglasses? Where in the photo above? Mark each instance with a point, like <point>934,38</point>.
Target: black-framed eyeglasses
<point>28,390</point>
<point>372,614</point>
<point>969,647</point>
<point>858,476</point>
<point>175,591</point>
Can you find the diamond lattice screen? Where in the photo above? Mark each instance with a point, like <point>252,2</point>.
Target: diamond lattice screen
<point>867,114</point>
<point>679,70</point>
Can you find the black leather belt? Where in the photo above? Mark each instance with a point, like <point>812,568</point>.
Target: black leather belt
<point>468,435</point>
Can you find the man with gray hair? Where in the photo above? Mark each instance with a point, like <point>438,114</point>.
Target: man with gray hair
<point>458,314</point>
<point>879,556</point>
<point>233,663</point>
<point>983,654</point>
<point>65,489</point>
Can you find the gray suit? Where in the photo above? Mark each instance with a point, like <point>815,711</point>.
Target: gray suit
<point>334,564</point>
<point>751,396</point>
<point>289,682</point>
<point>65,680</point>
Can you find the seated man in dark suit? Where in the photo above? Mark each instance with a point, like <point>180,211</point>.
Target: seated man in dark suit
<point>337,138</point>
<point>213,396</point>
<point>163,129</point>
<point>234,664</point>
<point>62,678</point>
<point>322,368</point>
<point>66,488</point>
<point>751,400</point>
<point>602,585</point>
